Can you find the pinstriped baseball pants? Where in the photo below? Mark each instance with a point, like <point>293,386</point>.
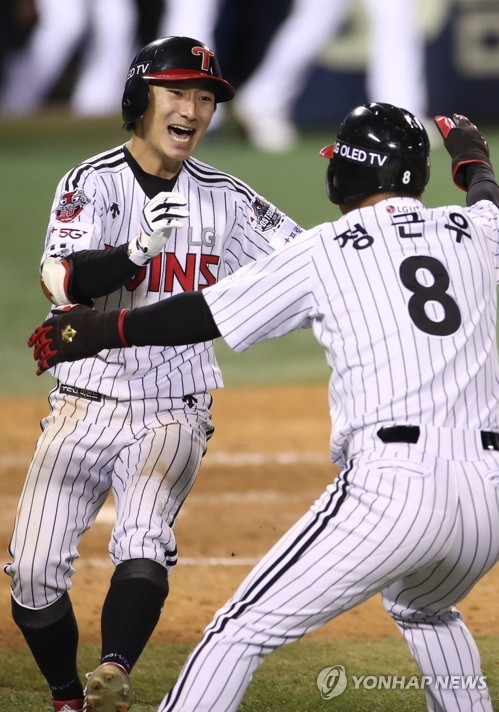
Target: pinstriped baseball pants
<point>147,452</point>
<point>401,520</point>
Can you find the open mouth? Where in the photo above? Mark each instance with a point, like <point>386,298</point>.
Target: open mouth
<point>180,134</point>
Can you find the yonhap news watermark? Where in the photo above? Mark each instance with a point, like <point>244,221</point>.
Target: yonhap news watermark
<point>333,681</point>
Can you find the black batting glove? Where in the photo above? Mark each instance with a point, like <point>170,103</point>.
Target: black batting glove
<point>75,332</point>
<point>464,144</point>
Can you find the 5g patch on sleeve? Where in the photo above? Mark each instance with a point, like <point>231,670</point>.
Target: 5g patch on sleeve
<point>63,240</point>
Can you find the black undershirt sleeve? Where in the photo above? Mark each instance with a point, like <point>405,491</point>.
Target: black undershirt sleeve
<point>95,273</point>
<point>482,184</point>
<point>183,319</point>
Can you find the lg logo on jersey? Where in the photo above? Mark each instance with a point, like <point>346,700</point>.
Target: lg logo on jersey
<point>208,237</point>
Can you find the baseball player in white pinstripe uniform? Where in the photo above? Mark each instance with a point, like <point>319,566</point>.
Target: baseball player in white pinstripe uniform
<point>134,421</point>
<point>403,300</point>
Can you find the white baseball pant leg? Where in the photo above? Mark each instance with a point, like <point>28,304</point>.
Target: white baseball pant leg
<point>107,55</point>
<point>279,78</point>
<point>422,604</point>
<point>66,485</point>
<point>154,475</point>
<point>385,518</point>
<point>32,72</point>
<point>396,66</point>
<point>191,18</point>
<point>148,453</point>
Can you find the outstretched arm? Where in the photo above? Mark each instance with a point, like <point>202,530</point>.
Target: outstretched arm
<point>76,332</point>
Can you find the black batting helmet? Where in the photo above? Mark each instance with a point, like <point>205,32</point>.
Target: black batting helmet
<point>170,59</point>
<point>379,148</point>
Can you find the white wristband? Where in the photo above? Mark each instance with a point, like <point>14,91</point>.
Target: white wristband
<point>137,254</point>
<point>54,280</point>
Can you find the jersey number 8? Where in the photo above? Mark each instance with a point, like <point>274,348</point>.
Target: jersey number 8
<point>436,292</point>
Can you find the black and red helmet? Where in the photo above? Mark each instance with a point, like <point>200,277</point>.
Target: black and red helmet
<point>170,59</point>
<point>379,148</point>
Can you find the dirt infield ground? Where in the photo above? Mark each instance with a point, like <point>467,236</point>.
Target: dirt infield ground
<point>266,463</point>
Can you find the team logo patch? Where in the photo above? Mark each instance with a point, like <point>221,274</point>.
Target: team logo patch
<point>70,205</point>
<point>266,215</point>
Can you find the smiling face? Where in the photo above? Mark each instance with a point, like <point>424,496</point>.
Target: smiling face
<point>176,119</point>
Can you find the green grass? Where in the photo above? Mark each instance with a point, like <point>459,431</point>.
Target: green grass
<point>35,153</point>
<point>286,681</point>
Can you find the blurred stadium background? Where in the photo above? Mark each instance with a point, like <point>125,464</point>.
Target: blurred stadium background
<point>462,62</point>
<point>462,57</point>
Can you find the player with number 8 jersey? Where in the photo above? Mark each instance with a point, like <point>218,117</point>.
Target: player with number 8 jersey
<point>129,227</point>
<point>402,297</point>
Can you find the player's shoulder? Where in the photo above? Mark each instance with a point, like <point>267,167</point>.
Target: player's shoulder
<point>112,160</point>
<point>484,214</point>
<point>211,177</point>
<point>485,208</point>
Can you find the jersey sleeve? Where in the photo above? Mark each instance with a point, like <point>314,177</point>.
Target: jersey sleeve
<point>76,216</point>
<point>486,214</point>
<point>259,228</point>
<point>267,298</point>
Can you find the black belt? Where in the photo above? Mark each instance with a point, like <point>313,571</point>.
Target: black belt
<point>411,433</point>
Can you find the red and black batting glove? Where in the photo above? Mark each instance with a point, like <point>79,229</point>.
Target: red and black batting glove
<point>75,332</point>
<point>465,145</point>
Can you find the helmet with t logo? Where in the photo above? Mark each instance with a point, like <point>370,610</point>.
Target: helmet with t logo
<point>170,59</point>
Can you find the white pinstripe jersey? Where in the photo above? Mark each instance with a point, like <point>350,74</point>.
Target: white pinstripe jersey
<point>99,205</point>
<point>403,300</point>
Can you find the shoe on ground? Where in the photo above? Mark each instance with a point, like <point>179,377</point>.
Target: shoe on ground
<point>68,705</point>
<point>268,132</point>
<point>108,689</point>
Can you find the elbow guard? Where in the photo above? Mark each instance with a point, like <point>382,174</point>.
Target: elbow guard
<point>55,279</point>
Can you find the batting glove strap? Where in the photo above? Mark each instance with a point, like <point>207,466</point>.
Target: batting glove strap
<point>165,212</point>
<point>465,145</point>
<point>74,332</point>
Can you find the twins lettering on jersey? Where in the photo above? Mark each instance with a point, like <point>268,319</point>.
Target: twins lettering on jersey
<point>165,271</point>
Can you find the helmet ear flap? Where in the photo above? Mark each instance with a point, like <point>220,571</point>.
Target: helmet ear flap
<point>332,191</point>
<point>135,99</point>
